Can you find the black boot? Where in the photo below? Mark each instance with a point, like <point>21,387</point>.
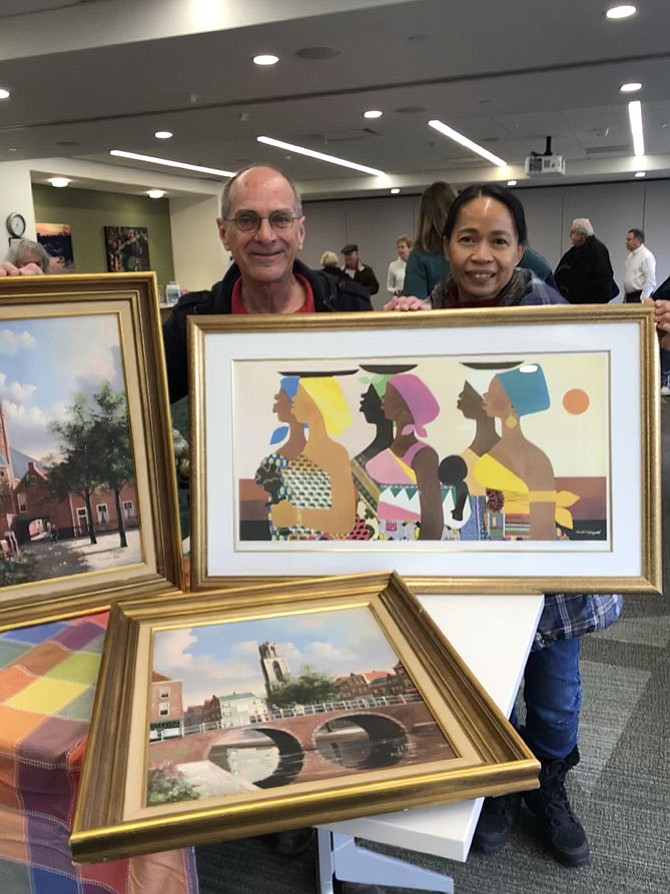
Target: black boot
<point>495,823</point>
<point>558,825</point>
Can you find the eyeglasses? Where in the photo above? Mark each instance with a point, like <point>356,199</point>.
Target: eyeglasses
<point>249,221</point>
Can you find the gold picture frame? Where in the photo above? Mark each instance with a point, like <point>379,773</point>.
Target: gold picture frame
<point>401,722</point>
<point>556,470</point>
<point>87,474</point>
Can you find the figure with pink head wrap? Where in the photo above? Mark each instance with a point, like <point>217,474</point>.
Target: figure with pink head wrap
<point>410,500</point>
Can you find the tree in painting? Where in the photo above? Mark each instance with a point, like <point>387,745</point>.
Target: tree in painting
<point>95,446</point>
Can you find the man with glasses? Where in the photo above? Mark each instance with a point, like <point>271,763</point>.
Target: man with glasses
<point>263,228</point>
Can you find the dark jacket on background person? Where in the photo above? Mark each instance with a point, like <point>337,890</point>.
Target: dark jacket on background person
<point>330,294</point>
<point>584,274</point>
<point>365,276</point>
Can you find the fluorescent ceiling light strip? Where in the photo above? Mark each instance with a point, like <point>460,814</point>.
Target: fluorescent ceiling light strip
<point>468,143</point>
<point>168,163</point>
<point>332,159</point>
<point>636,129</point>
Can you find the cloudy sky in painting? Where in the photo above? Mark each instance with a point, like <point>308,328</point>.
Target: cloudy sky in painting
<point>44,364</point>
<point>222,658</point>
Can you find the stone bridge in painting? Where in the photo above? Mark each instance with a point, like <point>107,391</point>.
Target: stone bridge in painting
<point>322,743</point>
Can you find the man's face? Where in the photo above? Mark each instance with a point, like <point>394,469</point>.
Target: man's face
<point>264,255</point>
<point>351,260</point>
<point>577,237</point>
<point>632,242</point>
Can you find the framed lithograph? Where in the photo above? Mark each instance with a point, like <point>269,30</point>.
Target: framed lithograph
<point>506,450</point>
<point>87,491</point>
<point>279,706</point>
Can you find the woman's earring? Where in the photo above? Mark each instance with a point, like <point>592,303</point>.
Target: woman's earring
<point>511,421</point>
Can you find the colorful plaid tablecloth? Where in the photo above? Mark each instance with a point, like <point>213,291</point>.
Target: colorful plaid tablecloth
<point>47,683</point>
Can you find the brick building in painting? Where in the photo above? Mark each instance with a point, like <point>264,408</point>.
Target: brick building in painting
<point>167,709</point>
<point>30,509</point>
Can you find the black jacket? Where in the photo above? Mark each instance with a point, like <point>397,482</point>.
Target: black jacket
<point>330,294</point>
<point>584,274</point>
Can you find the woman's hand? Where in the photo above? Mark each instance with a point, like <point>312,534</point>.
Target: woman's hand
<point>284,514</point>
<point>7,269</point>
<point>407,302</point>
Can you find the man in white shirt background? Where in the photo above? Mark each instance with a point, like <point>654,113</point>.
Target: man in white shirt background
<point>395,278</point>
<point>639,273</point>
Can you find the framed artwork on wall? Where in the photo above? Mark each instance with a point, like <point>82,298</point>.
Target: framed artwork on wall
<point>127,249</point>
<point>57,242</point>
<point>87,490</point>
<point>273,707</point>
<point>512,449</point>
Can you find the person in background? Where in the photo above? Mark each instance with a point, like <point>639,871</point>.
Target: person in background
<point>639,272</point>
<point>584,273</point>
<point>427,265</point>
<point>356,270</point>
<point>330,263</point>
<point>395,278</point>
<point>484,238</point>
<point>25,258</point>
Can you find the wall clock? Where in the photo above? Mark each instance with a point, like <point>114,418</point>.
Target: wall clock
<point>16,224</point>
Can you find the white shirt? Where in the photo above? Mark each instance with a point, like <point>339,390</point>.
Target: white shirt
<point>395,278</point>
<point>639,272</point>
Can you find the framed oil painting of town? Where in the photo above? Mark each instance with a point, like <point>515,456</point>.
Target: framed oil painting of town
<point>500,450</point>
<point>277,706</point>
<point>87,490</point>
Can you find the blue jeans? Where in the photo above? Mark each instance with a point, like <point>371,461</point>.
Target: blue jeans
<point>553,697</point>
<point>665,362</point>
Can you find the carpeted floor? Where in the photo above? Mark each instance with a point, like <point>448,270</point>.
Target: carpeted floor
<point>620,791</point>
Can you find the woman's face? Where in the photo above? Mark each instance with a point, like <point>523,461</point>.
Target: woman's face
<point>392,403</point>
<point>496,402</point>
<point>303,407</point>
<point>370,405</point>
<point>469,402</point>
<point>282,406</point>
<point>483,249</point>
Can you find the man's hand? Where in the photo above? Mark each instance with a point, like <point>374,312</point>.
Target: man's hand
<point>7,269</point>
<point>407,302</point>
<point>662,320</point>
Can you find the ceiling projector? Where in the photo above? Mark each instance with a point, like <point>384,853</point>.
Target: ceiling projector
<point>538,165</point>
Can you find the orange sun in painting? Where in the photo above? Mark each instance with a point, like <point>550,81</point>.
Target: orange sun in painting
<point>576,401</point>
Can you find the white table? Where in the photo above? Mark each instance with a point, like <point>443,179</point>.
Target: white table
<point>493,634</point>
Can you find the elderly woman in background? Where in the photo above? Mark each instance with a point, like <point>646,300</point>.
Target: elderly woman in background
<point>24,254</point>
<point>426,264</point>
<point>484,239</point>
<point>25,258</point>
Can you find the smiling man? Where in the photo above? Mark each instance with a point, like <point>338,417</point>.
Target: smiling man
<point>263,228</point>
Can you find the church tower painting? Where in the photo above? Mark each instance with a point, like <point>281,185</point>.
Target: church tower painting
<point>275,668</point>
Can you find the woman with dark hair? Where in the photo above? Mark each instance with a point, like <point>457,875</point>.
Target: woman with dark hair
<point>426,264</point>
<point>484,238</point>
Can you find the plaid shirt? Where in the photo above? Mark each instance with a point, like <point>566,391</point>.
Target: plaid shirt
<point>567,615</point>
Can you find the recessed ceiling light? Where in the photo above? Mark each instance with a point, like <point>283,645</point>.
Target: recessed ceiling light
<point>467,142</point>
<point>4,94</point>
<point>636,129</point>
<point>12,149</point>
<point>163,134</point>
<point>265,59</point>
<point>331,159</point>
<point>155,193</point>
<point>59,182</point>
<point>640,173</point>
<point>622,11</point>
<point>373,113</point>
<point>631,87</point>
<point>395,190</point>
<point>512,182</point>
<point>168,163</point>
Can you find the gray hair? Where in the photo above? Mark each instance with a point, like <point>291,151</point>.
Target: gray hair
<point>26,246</point>
<point>582,225</point>
<point>225,195</point>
